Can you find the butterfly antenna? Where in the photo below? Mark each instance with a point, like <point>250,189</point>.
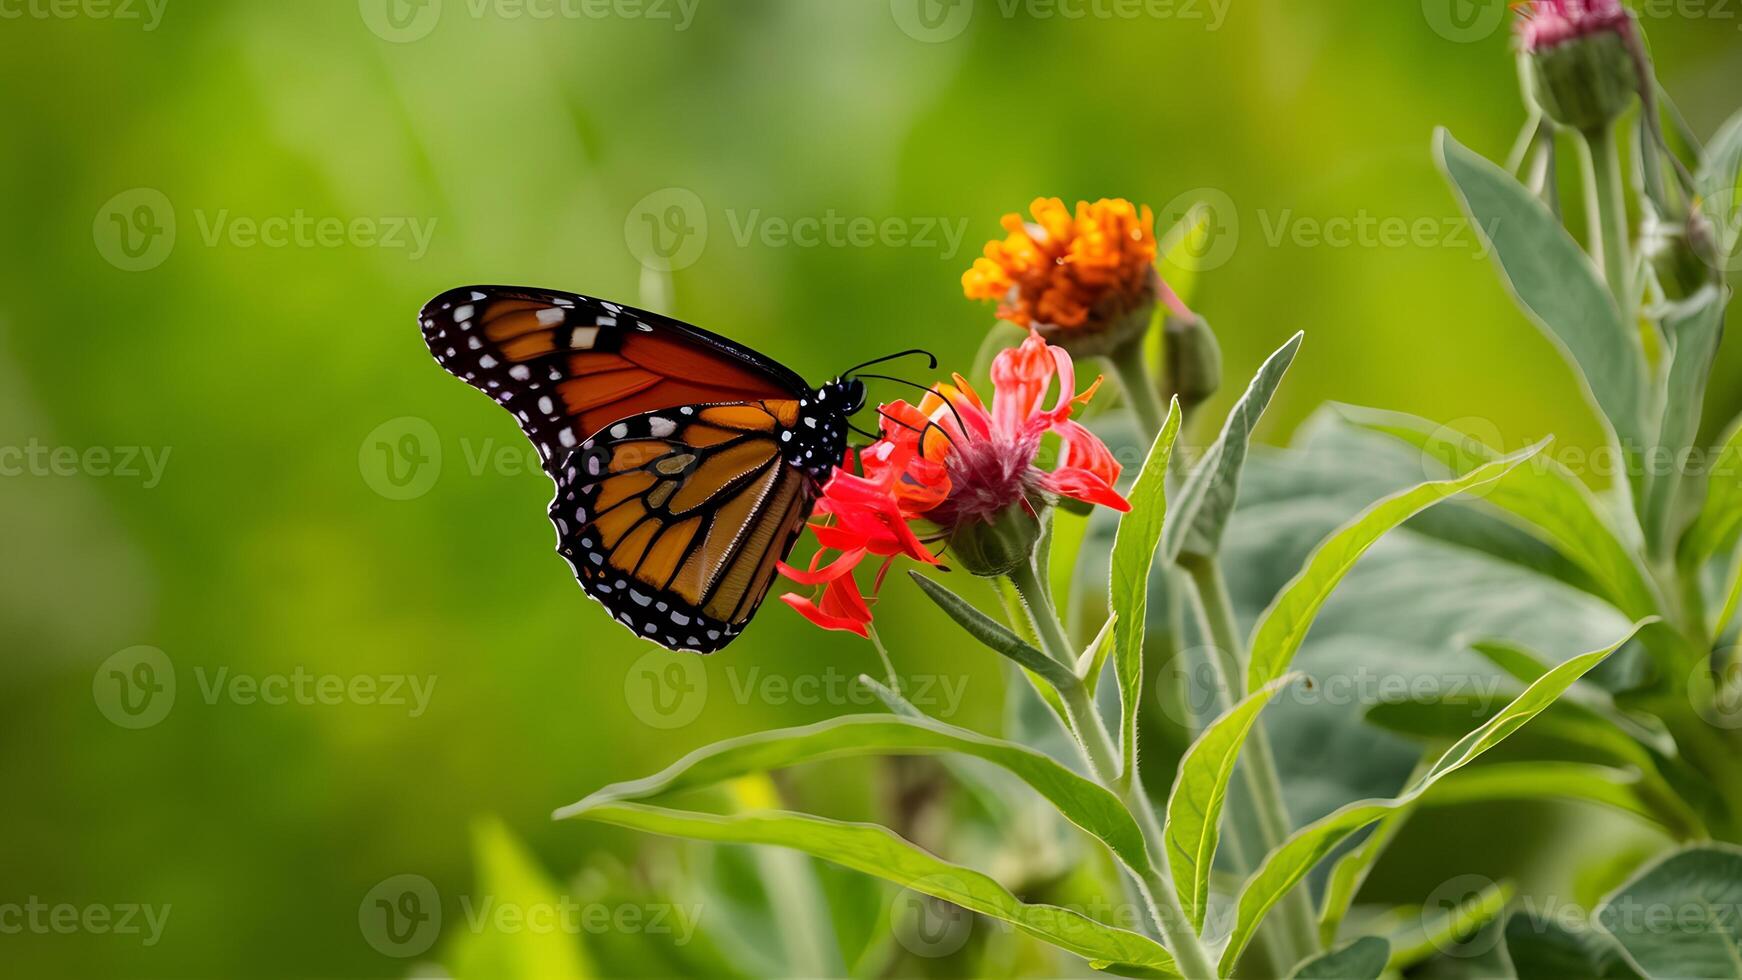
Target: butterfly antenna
<point>930,391</point>
<point>930,357</point>
<point>869,435</point>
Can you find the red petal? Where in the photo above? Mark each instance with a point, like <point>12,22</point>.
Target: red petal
<point>809,610</point>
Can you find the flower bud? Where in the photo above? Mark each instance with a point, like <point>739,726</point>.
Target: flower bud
<point>1194,359</point>
<point>1583,67</point>
<point>1684,256</point>
<point>993,549</point>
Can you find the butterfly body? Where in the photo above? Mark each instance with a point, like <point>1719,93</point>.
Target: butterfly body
<point>685,464</point>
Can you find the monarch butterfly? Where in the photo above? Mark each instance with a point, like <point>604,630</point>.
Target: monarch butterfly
<point>685,464</point>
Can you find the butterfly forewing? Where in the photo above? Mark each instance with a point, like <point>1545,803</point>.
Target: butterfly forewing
<point>675,519</point>
<point>566,365</point>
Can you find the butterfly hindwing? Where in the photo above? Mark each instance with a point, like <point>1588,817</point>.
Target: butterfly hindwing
<point>567,365</point>
<point>675,519</point>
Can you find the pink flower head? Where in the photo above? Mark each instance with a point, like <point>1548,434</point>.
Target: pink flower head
<point>990,453</point>
<point>946,464</point>
<point>1548,23</point>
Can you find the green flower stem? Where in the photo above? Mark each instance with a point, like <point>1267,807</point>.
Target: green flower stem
<point>1139,386</point>
<point>1605,189</point>
<point>1300,931</point>
<point>1103,756</point>
<point>883,654</point>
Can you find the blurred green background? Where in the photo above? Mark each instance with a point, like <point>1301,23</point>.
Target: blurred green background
<point>293,531</point>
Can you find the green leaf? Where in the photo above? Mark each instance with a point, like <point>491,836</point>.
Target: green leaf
<point>1284,625</point>
<point>1194,808</point>
<point>1544,495</point>
<point>1350,873</point>
<point>1679,917</point>
<point>1543,949</point>
<point>1694,330</point>
<point>1557,284</point>
<point>510,880</point>
<point>1288,864</point>
<point>1363,959</point>
<point>1132,561</point>
<point>1721,517</point>
<point>1206,501</point>
<point>876,851</point>
<point>1602,785</point>
<point>1718,184</point>
<point>1095,655</point>
<point>993,633</point>
<point>1083,802</point>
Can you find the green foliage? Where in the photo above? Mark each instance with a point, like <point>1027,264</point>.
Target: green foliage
<point>1557,284</point>
<point>876,851</point>
<point>1284,625</point>
<point>1208,496</point>
<point>1678,917</point>
<point>992,633</point>
<point>1285,867</point>
<point>1088,805</point>
<point>1194,808</point>
<point>1363,959</point>
<point>509,878</point>
<point>1133,558</point>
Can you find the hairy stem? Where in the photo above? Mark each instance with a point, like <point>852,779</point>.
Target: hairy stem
<point>1139,386</point>
<point>1258,769</point>
<point>1606,188</point>
<point>1103,757</point>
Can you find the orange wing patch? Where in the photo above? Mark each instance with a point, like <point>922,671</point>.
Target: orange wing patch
<point>676,521</point>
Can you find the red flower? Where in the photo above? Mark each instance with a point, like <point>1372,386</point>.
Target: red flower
<point>953,466</point>
<point>868,515</point>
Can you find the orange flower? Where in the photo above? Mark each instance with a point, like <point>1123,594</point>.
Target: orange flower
<point>1063,273</point>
